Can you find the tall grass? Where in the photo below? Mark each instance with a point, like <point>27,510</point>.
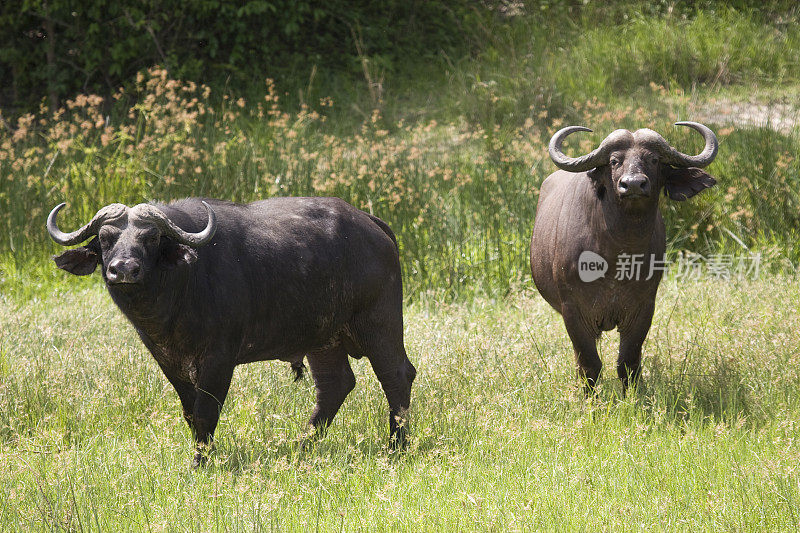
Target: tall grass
<point>462,198</point>
<point>460,189</point>
<point>615,51</point>
<point>679,52</point>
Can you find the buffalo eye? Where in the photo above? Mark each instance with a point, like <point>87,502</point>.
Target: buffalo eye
<point>614,162</point>
<point>106,238</point>
<point>654,160</point>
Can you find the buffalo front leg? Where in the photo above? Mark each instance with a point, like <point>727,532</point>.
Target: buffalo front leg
<point>584,342</point>
<point>631,338</point>
<point>210,392</point>
<point>186,393</point>
<point>184,388</point>
<point>333,379</point>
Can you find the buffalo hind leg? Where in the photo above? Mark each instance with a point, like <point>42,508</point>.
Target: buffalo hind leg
<point>584,342</point>
<point>210,392</point>
<point>396,380</point>
<point>333,379</point>
<point>382,343</point>
<point>631,339</point>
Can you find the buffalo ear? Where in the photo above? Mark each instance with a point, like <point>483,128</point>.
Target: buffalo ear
<point>175,254</point>
<point>597,175</point>
<point>79,261</point>
<point>683,183</point>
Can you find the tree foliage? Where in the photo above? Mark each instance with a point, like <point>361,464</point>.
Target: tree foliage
<point>54,48</point>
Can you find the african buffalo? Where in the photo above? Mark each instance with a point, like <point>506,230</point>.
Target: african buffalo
<point>210,284</point>
<point>599,214</point>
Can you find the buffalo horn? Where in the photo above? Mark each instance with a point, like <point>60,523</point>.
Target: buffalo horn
<point>108,212</point>
<point>597,157</point>
<point>170,229</point>
<point>673,157</point>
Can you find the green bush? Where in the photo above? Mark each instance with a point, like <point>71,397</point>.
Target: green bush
<point>58,48</point>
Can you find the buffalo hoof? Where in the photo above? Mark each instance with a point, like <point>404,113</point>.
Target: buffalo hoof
<point>399,441</point>
<point>198,460</point>
<point>201,454</point>
<point>310,437</point>
<point>634,389</point>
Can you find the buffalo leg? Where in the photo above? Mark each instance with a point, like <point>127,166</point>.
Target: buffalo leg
<point>185,389</point>
<point>631,339</point>
<point>210,392</point>
<point>334,380</point>
<point>378,334</point>
<point>382,343</point>
<point>396,380</point>
<point>186,393</point>
<point>584,342</point>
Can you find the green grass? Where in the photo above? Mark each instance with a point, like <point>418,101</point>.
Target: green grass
<point>91,436</point>
<point>707,49</point>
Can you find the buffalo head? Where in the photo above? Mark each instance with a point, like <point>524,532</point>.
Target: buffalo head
<point>129,242</point>
<point>636,166</point>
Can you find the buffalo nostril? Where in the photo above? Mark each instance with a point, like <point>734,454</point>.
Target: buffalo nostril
<point>633,186</point>
<point>124,271</point>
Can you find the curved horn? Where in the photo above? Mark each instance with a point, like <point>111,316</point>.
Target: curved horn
<point>575,164</point>
<point>108,212</point>
<point>169,228</point>
<point>673,157</point>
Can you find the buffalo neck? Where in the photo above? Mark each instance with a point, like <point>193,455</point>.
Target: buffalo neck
<point>155,306</point>
<point>626,229</point>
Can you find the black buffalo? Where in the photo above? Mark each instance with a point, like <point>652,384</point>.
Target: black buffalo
<point>601,211</point>
<point>210,284</point>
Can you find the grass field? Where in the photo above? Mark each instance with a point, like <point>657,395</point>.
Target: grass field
<point>91,436</point>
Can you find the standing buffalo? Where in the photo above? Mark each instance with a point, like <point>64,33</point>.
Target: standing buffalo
<point>210,284</point>
<point>600,214</point>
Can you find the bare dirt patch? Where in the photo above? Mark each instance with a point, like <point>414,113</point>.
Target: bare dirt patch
<point>781,116</point>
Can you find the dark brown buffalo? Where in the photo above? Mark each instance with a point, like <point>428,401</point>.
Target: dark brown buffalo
<point>209,285</point>
<point>603,208</point>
